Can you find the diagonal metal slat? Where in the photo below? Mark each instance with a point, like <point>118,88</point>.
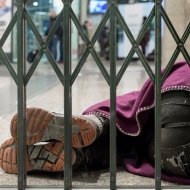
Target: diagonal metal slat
<point>175,54</point>
<point>8,29</point>
<point>146,25</point>
<point>40,41</point>
<point>134,44</point>
<point>132,51</point>
<point>54,27</point>
<point>8,65</point>
<point>175,35</point>
<point>89,48</point>
<point>33,28</point>
<point>100,65</point>
<point>51,33</point>
<point>43,48</point>
<point>2,54</point>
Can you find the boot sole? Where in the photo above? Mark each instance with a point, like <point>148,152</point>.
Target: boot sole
<point>49,157</point>
<point>43,126</point>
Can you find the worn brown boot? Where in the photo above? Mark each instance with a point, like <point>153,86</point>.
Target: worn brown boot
<point>43,157</point>
<point>42,125</point>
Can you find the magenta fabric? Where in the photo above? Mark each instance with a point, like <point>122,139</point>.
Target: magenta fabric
<point>133,111</point>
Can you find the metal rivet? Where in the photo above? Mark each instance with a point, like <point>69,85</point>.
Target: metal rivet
<point>44,47</point>
<point>180,44</point>
<point>135,45</point>
<point>90,47</point>
<point>113,3</point>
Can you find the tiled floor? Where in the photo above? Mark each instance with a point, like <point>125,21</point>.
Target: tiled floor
<point>44,90</point>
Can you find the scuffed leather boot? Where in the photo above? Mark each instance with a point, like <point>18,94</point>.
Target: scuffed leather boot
<point>42,125</point>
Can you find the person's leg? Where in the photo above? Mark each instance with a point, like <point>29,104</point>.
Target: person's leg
<point>175,138</point>
<point>143,49</point>
<point>43,125</point>
<point>61,50</point>
<point>53,47</point>
<point>101,43</point>
<point>97,153</point>
<point>47,157</point>
<point>45,147</point>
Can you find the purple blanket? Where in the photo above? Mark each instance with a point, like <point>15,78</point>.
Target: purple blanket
<point>133,111</point>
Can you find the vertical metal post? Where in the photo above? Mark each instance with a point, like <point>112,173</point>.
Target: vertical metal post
<point>158,96</point>
<point>21,97</point>
<point>113,167</point>
<point>67,96</point>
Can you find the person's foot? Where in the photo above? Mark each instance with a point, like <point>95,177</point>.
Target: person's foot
<point>46,157</point>
<point>42,125</point>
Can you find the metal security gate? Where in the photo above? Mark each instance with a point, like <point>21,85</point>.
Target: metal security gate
<point>21,17</point>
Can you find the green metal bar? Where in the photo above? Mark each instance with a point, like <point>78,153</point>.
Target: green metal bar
<point>138,40</point>
<point>2,54</point>
<point>79,65</point>
<point>67,96</point>
<point>82,33</point>
<point>125,66</point>
<point>97,32</point>
<point>170,26</point>
<point>8,65</point>
<point>100,26</point>
<point>43,48</point>
<point>40,53</point>
<point>46,50</point>
<point>184,52</point>
<point>135,45</point>
<point>54,27</point>
<point>34,29</point>
<point>8,29</point>
<point>175,54</point>
<point>186,33</point>
<point>89,47</point>
<point>113,161</point>
<point>183,39</point>
<point>157,89</point>
<point>175,36</point>
<point>33,66</point>
<point>146,25</point>
<point>100,65</point>
<point>54,64</point>
<point>21,97</point>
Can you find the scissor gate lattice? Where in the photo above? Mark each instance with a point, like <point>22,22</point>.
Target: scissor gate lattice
<point>21,78</point>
